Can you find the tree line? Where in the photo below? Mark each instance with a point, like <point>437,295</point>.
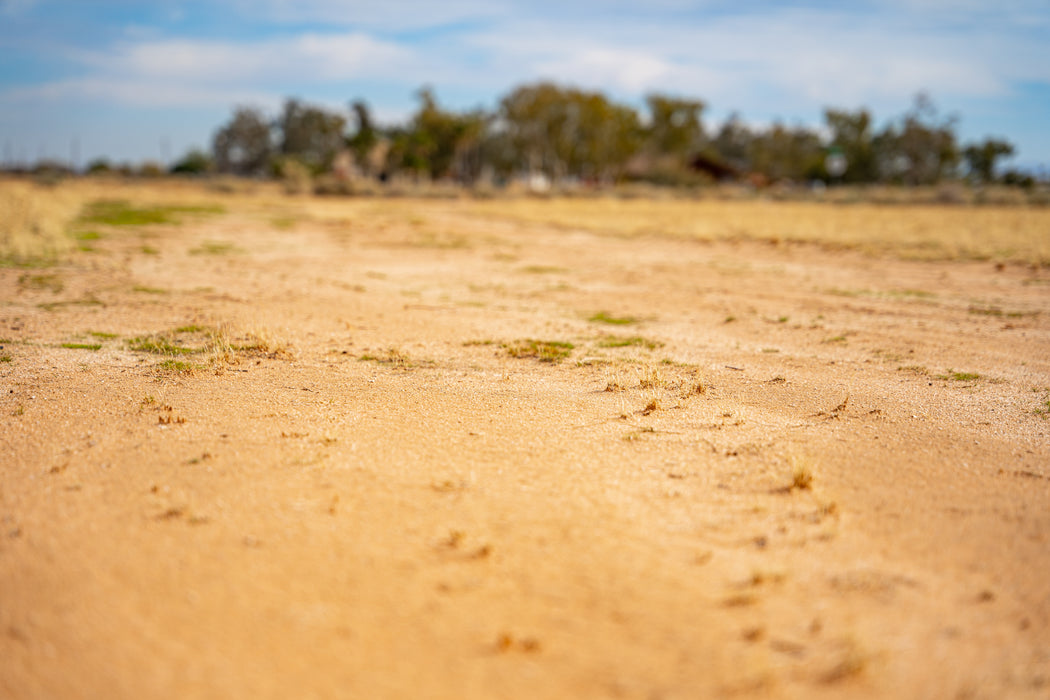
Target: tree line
<point>570,134</point>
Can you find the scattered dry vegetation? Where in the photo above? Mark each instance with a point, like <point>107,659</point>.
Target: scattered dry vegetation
<point>542,350</point>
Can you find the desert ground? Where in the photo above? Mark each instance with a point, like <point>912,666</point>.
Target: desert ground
<point>271,446</point>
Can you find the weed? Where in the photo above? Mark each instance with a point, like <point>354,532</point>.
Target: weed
<point>633,341</point>
<point>606,317</point>
<point>914,369</point>
<point>6,358</point>
<point>783,319</point>
<point>161,344</point>
<point>87,235</point>
<point>636,435</point>
<point>1043,411</point>
<point>651,378</point>
<point>82,346</point>
<point>699,386</point>
<point>148,290</point>
<point>769,351</point>
<point>954,376</point>
<point>392,356</point>
<point>149,250</point>
<point>651,407</point>
<point>729,319</point>
<point>543,269</point>
<point>835,339</point>
<point>52,283</point>
<point>543,350</point>
<point>102,335</point>
<point>801,478</point>
<point>192,328</point>
<point>477,343</point>
<point>86,301</point>
<point>176,366</point>
<point>215,248</point>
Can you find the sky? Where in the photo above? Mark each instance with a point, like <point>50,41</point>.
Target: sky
<point>133,81</point>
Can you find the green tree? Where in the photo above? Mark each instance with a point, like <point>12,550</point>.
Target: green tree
<point>675,126</point>
<point>851,134</point>
<point>733,143</point>
<point>921,149</point>
<point>783,153</point>
<point>244,146</point>
<point>196,162</point>
<point>311,135</point>
<point>438,143</point>
<point>568,132</point>
<point>981,158</point>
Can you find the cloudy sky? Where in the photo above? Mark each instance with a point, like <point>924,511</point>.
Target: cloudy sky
<point>136,80</point>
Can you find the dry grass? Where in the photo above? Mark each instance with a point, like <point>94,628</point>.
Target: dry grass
<point>34,221</point>
<point>921,231</point>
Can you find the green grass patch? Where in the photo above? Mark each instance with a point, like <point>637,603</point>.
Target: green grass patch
<point>632,341</point>
<point>163,344</point>
<point>542,350</point>
<point>953,376</point>
<point>148,290</point>
<point>149,250</point>
<point>111,212</point>
<point>173,366</point>
<point>82,346</point>
<point>215,248</point>
<point>102,335</point>
<point>87,235</point>
<point>606,317</point>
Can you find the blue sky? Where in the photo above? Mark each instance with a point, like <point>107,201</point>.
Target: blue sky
<point>135,80</point>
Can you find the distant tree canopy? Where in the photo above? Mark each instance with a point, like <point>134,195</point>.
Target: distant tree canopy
<point>569,133</point>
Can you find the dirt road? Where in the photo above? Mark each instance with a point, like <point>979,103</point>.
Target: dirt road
<point>405,450</point>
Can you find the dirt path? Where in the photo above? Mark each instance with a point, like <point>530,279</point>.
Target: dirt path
<point>766,470</point>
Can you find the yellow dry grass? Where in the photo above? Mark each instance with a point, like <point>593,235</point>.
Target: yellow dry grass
<point>925,232</point>
<point>33,221</point>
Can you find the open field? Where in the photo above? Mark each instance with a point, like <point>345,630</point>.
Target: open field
<point>254,445</point>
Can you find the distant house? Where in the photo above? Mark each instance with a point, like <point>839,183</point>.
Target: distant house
<point>713,167</point>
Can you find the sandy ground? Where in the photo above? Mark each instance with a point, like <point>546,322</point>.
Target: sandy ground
<point>786,482</point>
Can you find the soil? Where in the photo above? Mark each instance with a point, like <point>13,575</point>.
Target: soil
<point>762,469</point>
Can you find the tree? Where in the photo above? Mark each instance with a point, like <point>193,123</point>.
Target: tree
<point>244,146</point>
<point>675,128</point>
<point>311,135</point>
<point>981,158</point>
<point>365,137</point>
<point>196,162</point>
<point>733,143</point>
<point>783,153</point>
<point>438,143</point>
<point>852,136</point>
<point>568,132</point>
<point>921,150</point>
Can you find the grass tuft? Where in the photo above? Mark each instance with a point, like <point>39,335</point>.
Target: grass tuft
<point>606,317</point>
<point>82,346</point>
<point>633,341</point>
<point>542,350</point>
